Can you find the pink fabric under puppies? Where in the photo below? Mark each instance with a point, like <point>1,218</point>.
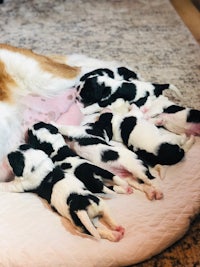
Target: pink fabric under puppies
<point>39,108</point>
<point>61,109</point>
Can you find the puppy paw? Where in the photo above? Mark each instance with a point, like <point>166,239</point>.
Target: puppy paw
<point>120,229</point>
<point>117,236</point>
<point>153,193</point>
<point>123,189</point>
<point>112,235</point>
<point>158,195</point>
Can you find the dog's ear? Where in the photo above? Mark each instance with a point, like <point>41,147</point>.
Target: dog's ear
<point>16,160</point>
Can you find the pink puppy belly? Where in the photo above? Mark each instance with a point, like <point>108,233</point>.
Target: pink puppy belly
<point>192,129</point>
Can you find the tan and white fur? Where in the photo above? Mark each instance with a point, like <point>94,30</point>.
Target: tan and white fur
<point>24,72</point>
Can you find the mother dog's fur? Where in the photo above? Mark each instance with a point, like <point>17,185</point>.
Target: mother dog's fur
<point>24,72</point>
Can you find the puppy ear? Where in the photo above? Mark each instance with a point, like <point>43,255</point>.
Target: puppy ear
<point>16,160</point>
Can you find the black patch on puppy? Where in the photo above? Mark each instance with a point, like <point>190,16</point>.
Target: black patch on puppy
<point>104,123</point>
<point>44,190</point>
<point>16,160</point>
<point>98,72</point>
<point>37,144</point>
<point>93,91</point>
<point>167,154</point>
<point>87,141</point>
<point>78,202</point>
<point>24,147</point>
<point>127,91</point>
<point>159,88</point>
<point>52,129</point>
<point>148,174</point>
<point>141,101</point>
<point>173,109</point>
<point>95,131</point>
<point>126,127</point>
<point>65,166</point>
<point>127,74</point>
<point>193,116</point>
<point>85,173</point>
<point>109,155</point>
<point>147,157</point>
<point>63,153</point>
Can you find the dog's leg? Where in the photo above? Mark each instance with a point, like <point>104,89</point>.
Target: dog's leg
<point>15,186</point>
<point>113,236</point>
<point>188,143</point>
<point>108,221</point>
<point>150,191</point>
<point>121,186</point>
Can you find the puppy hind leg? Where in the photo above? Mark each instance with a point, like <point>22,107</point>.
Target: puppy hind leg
<point>188,143</point>
<point>109,221</point>
<point>113,236</point>
<point>150,191</point>
<point>14,186</point>
<point>121,186</point>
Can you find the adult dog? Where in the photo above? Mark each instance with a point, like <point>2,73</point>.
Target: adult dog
<point>24,72</point>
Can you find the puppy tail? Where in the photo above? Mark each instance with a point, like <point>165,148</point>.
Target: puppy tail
<point>159,88</point>
<point>176,90</point>
<point>84,218</point>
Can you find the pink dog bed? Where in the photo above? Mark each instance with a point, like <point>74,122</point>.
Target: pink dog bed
<point>33,235</point>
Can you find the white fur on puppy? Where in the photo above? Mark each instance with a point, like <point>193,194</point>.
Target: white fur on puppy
<point>35,172</point>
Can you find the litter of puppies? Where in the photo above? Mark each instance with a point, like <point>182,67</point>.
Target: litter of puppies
<point>129,128</point>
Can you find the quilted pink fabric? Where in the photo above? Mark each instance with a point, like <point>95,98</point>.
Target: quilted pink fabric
<point>33,235</point>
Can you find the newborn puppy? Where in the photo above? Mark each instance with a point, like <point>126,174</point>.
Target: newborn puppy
<point>46,137</point>
<point>36,173</point>
<point>177,119</point>
<point>118,73</point>
<point>145,139</point>
<point>184,121</point>
<point>99,90</point>
<point>92,145</point>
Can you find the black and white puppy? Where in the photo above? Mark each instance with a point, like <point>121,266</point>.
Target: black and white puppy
<point>46,137</point>
<point>100,88</point>
<point>118,73</point>
<point>35,172</point>
<point>152,145</point>
<point>116,159</point>
<point>171,116</point>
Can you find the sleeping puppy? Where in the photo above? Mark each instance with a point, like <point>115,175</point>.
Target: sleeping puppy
<point>46,137</point>
<point>173,117</point>
<point>118,160</point>
<point>152,145</point>
<point>35,172</point>
<point>100,89</point>
<point>24,72</point>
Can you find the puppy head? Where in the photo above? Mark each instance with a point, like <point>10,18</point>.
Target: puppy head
<point>92,91</point>
<point>170,154</point>
<point>26,162</point>
<point>42,135</point>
